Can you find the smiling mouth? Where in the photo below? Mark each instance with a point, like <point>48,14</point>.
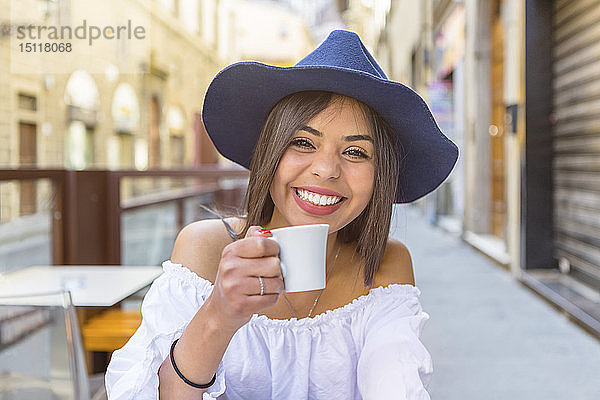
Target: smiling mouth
<point>318,199</point>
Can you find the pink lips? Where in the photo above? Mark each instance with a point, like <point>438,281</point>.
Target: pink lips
<point>314,209</point>
<point>319,190</point>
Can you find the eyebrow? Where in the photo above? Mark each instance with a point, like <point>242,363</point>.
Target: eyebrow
<point>350,138</point>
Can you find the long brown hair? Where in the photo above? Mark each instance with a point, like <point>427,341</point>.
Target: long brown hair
<point>370,229</point>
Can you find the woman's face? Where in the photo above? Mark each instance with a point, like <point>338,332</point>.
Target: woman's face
<point>326,175</point>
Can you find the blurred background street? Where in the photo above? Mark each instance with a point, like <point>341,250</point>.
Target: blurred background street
<point>104,158</point>
<point>489,336</point>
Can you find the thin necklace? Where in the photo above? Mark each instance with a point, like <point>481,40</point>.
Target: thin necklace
<point>293,309</point>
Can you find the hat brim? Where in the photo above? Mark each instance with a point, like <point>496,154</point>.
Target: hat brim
<point>240,97</point>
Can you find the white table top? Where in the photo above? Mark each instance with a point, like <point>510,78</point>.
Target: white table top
<point>93,286</point>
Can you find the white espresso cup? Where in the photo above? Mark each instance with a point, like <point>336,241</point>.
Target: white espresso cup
<point>302,251</point>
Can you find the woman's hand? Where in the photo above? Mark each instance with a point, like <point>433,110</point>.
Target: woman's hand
<point>236,293</point>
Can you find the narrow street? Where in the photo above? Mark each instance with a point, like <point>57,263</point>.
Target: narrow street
<point>489,336</point>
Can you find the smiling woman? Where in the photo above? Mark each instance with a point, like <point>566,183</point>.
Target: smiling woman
<point>330,141</point>
<point>327,141</point>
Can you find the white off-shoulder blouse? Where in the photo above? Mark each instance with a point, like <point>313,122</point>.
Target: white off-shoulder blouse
<point>367,349</point>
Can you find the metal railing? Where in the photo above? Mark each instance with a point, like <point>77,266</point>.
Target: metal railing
<point>87,207</point>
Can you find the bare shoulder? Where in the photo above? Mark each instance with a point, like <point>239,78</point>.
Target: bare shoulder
<point>199,245</point>
<point>396,266</point>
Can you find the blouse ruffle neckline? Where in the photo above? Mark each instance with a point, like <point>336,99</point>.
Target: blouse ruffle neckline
<point>394,290</point>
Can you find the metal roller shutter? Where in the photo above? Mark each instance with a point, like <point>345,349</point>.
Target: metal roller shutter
<point>576,135</point>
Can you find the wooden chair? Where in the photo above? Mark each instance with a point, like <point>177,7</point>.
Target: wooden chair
<point>110,330</point>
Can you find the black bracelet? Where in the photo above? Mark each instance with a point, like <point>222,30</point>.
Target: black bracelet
<point>183,378</point>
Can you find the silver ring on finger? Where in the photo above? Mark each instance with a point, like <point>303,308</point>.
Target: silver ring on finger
<point>262,285</point>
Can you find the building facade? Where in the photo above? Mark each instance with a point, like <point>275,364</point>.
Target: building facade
<point>125,104</point>
<point>562,195</point>
<point>513,84</point>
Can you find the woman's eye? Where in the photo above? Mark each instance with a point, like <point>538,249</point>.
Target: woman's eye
<point>354,152</point>
<point>301,142</point>
<point>357,153</point>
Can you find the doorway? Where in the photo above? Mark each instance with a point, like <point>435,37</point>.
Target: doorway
<point>154,159</point>
<point>497,125</point>
<point>27,158</point>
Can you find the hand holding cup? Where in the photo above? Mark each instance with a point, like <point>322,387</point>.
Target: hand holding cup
<point>236,295</point>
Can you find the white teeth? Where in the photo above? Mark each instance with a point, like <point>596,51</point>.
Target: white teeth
<point>317,199</point>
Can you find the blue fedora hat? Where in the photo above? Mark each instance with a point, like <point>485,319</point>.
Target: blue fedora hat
<point>241,96</point>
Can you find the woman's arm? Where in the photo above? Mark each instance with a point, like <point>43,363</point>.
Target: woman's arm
<point>197,355</point>
<point>394,363</point>
<point>231,304</point>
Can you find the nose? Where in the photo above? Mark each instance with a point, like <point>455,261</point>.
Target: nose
<point>326,165</point>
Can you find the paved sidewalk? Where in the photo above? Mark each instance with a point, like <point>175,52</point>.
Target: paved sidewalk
<point>489,336</point>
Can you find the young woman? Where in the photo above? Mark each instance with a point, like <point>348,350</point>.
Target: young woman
<point>330,140</point>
